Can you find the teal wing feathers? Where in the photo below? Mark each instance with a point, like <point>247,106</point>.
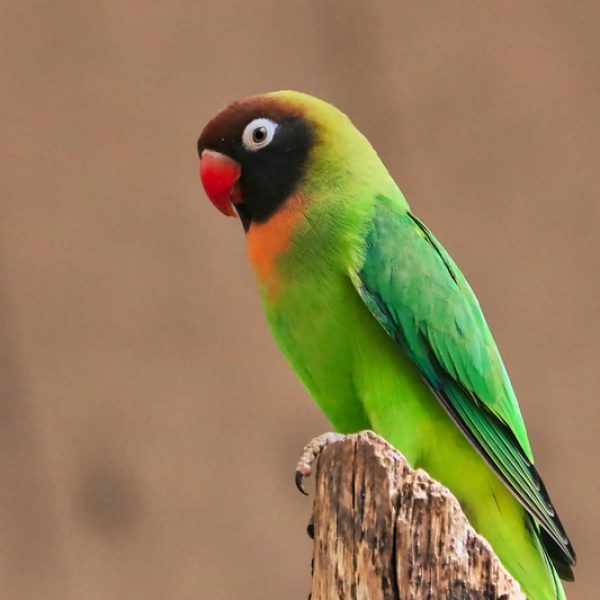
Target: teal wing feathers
<point>419,296</point>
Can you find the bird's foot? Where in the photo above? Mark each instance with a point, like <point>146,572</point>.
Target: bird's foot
<point>311,453</point>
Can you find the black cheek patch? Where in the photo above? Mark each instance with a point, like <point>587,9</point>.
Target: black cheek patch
<point>270,175</point>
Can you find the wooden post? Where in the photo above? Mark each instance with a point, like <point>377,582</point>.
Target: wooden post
<point>383,530</point>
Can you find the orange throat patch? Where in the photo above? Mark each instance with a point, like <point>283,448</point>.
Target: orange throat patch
<point>267,242</point>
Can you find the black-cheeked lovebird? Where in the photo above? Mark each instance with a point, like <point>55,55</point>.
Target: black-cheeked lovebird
<point>377,320</point>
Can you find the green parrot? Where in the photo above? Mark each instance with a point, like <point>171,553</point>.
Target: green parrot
<point>377,320</point>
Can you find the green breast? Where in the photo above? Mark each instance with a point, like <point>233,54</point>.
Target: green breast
<point>316,322</point>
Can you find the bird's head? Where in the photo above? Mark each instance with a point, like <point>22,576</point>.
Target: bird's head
<point>257,152</point>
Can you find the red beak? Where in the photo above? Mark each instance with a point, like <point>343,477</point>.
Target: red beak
<point>219,175</point>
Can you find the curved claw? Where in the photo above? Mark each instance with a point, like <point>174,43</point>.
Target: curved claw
<point>310,531</point>
<point>298,480</point>
<point>310,454</point>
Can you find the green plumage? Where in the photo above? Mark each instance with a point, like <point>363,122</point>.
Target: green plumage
<point>386,333</point>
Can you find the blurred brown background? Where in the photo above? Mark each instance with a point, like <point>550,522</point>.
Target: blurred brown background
<point>148,425</point>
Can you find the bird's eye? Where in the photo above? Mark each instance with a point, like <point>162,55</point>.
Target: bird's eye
<point>258,134</point>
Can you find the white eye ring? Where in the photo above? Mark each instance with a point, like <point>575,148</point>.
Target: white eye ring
<point>258,134</point>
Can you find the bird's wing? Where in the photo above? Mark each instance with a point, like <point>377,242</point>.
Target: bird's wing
<point>419,296</point>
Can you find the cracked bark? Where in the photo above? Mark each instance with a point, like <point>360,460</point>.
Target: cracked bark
<point>383,530</point>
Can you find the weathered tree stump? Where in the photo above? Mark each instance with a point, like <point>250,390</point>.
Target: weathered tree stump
<point>383,530</point>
